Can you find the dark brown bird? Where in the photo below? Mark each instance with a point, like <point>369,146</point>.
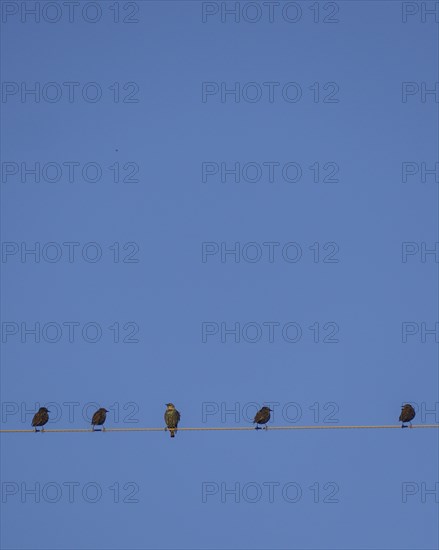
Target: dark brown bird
<point>99,418</point>
<point>41,418</point>
<point>262,417</point>
<point>172,418</point>
<point>407,415</point>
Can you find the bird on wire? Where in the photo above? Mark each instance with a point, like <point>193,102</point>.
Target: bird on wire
<point>98,419</point>
<point>172,418</point>
<point>262,417</point>
<point>407,415</point>
<point>40,419</point>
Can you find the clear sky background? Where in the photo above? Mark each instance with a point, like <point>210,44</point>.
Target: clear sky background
<point>377,497</point>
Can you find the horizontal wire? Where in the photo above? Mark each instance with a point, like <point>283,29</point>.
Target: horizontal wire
<point>227,428</point>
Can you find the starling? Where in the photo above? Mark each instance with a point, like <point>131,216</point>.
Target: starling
<point>99,418</point>
<point>172,418</point>
<point>262,417</point>
<point>41,418</point>
<point>407,415</point>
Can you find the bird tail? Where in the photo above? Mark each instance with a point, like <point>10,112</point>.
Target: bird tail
<point>172,430</point>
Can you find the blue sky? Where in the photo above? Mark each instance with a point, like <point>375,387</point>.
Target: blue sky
<point>331,319</point>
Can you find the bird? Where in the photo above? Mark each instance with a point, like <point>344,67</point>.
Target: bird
<point>262,417</point>
<point>99,418</point>
<point>41,418</point>
<point>172,418</point>
<point>407,415</point>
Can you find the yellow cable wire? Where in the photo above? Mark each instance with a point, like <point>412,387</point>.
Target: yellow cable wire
<point>229,428</point>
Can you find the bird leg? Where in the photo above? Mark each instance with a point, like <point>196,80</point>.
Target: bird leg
<point>103,429</point>
<point>265,427</point>
<point>257,427</point>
